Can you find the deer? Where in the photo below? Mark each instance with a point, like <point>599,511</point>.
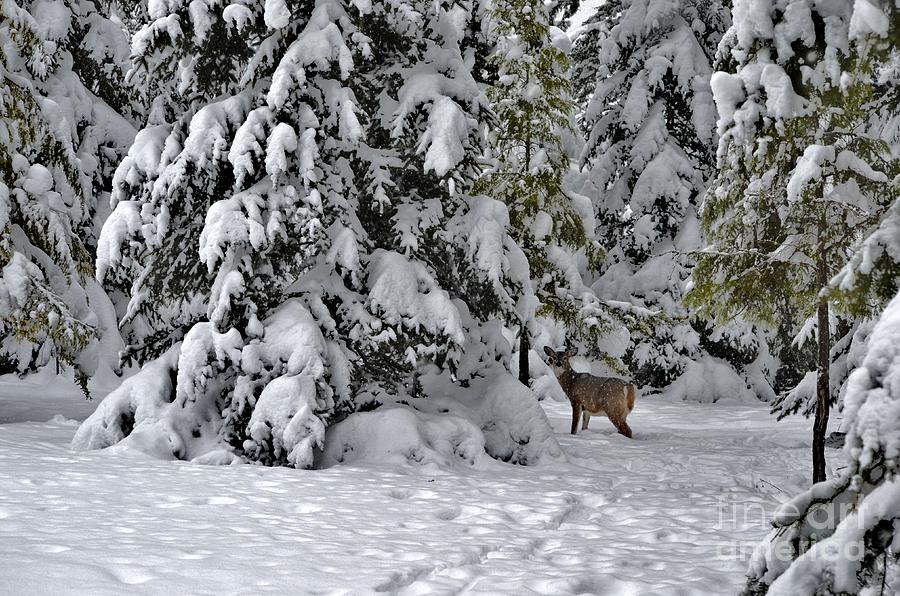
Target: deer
<point>590,394</point>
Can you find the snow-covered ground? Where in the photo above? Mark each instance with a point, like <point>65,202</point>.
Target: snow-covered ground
<point>674,511</point>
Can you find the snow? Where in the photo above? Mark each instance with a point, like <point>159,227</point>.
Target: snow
<point>809,168</point>
<point>868,20</point>
<point>53,18</point>
<point>201,19</point>
<point>873,392</point>
<point>276,14</point>
<point>781,100</point>
<point>15,282</point>
<point>123,222</point>
<point>406,293</point>
<point>246,145</point>
<point>443,141</point>
<point>319,43</point>
<point>402,436</point>
<point>43,395</point>
<point>752,20</point>
<point>237,15</point>
<point>483,231</point>
<point>136,404</point>
<point>728,92</point>
<point>150,414</point>
<point>507,413</point>
<point>709,379</point>
<point>803,396</point>
<point>282,143</point>
<point>673,511</point>
<point>420,495</point>
<point>158,9</point>
<point>284,415</point>
<point>586,9</point>
<point>837,557</point>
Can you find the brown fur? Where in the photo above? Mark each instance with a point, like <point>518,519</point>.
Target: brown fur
<point>593,395</point>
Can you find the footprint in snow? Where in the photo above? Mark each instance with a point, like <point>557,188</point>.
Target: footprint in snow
<point>399,493</point>
<point>449,514</point>
<point>665,536</point>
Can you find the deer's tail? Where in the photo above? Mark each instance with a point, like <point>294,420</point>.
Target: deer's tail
<point>632,394</point>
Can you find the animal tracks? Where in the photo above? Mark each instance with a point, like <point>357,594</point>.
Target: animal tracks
<point>401,580</point>
<point>539,524</point>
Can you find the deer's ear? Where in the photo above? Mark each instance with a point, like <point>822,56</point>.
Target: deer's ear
<point>548,351</point>
<point>572,351</point>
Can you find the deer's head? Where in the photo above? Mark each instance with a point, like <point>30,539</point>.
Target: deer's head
<point>559,361</point>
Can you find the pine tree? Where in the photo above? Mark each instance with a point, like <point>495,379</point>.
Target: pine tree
<point>294,224</point>
<point>641,73</point>
<point>869,279</point>
<point>531,101</point>
<point>798,170</point>
<point>837,537</point>
<point>62,133</point>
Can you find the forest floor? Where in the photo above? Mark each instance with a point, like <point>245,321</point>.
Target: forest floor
<point>675,511</point>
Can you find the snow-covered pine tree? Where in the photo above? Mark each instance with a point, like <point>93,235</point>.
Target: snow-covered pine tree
<point>641,72</point>
<point>61,134</point>
<point>870,278</point>
<point>531,101</point>
<point>798,172</point>
<point>293,223</point>
<point>841,536</point>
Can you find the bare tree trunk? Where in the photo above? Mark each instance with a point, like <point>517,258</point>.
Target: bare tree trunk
<point>823,382</point>
<point>524,350</point>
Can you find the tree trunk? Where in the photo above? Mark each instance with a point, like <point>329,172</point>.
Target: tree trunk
<point>524,340</point>
<point>823,382</point>
<point>524,350</point>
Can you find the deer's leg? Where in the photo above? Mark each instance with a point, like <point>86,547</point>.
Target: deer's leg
<point>586,420</point>
<point>576,415</point>
<point>621,426</point>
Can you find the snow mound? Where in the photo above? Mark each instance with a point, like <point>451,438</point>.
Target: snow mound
<point>494,416</point>
<point>62,420</point>
<point>403,436</point>
<point>515,427</point>
<point>709,380</point>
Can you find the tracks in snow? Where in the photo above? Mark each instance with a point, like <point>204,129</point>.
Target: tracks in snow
<point>533,548</point>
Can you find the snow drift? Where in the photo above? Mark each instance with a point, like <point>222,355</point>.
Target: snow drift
<point>495,416</point>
